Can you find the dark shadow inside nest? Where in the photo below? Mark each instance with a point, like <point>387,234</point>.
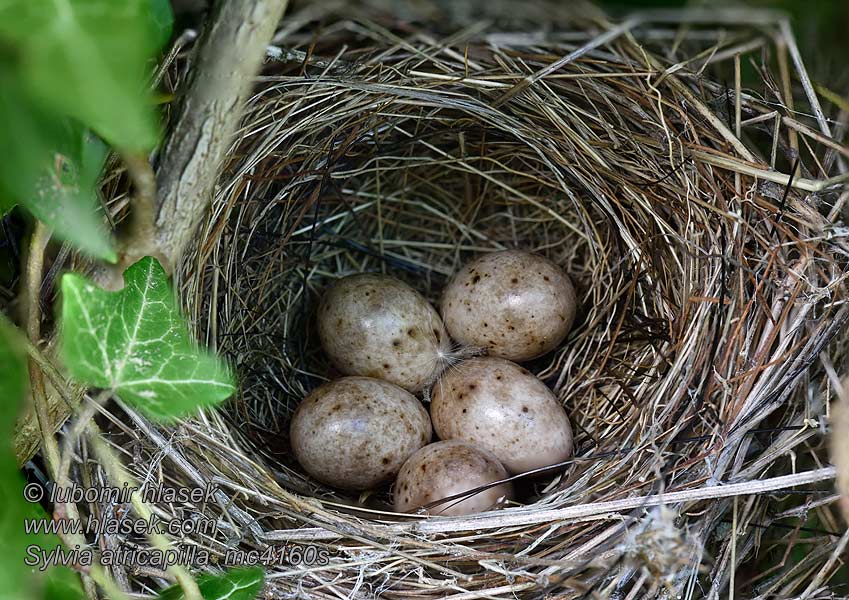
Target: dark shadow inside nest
<point>378,206</point>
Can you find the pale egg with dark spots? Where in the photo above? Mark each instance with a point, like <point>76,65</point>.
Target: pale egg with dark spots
<point>448,468</point>
<point>354,433</point>
<point>500,406</point>
<point>377,326</point>
<point>514,304</point>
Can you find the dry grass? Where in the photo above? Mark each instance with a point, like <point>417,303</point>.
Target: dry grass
<point>712,294</point>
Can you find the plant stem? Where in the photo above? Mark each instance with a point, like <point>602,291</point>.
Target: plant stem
<point>33,274</point>
<point>144,180</point>
<point>102,578</point>
<point>81,424</point>
<point>118,474</point>
<point>140,239</point>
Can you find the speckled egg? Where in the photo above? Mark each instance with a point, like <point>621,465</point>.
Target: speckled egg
<point>378,326</point>
<point>515,304</point>
<point>356,432</point>
<point>445,469</point>
<point>498,405</point>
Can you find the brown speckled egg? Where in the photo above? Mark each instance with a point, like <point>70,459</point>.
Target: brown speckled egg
<point>498,405</point>
<point>515,304</point>
<point>377,326</point>
<point>356,432</point>
<point>445,469</point>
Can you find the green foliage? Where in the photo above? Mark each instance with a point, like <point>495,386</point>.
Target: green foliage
<point>236,584</point>
<point>60,583</point>
<point>13,382</point>
<point>65,66</point>
<point>68,67</point>
<point>26,138</point>
<point>87,59</point>
<point>64,196</point>
<point>136,343</point>
<point>162,20</point>
<point>14,574</point>
<point>52,170</point>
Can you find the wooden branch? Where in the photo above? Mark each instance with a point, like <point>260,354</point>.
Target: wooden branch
<point>229,55</point>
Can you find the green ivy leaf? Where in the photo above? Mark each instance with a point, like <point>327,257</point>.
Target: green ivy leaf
<point>51,167</point>
<point>88,59</point>
<point>25,139</point>
<point>60,582</point>
<point>15,576</point>
<point>13,382</point>
<point>136,343</point>
<point>13,379</point>
<point>6,201</point>
<point>64,197</point>
<point>236,584</point>
<point>162,20</point>
<point>63,583</point>
<point>16,580</point>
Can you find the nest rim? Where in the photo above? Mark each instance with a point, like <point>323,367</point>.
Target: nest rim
<point>597,244</point>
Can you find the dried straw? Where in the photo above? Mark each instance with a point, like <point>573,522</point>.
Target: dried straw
<point>699,219</point>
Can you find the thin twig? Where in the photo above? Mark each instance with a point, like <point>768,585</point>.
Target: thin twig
<point>112,465</point>
<point>513,518</point>
<point>34,270</point>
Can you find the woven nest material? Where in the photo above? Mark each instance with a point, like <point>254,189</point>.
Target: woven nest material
<point>712,299</point>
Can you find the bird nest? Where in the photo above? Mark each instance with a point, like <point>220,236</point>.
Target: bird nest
<point>697,213</point>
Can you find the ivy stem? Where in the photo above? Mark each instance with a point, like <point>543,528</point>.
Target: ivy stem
<point>63,479</point>
<point>105,581</point>
<point>144,181</point>
<point>96,572</point>
<point>33,273</point>
<point>139,239</point>
<point>84,417</point>
<point>118,474</point>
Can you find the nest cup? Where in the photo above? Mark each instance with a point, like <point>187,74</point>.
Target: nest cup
<point>708,291</point>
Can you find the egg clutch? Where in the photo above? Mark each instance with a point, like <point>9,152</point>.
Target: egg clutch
<point>494,417</point>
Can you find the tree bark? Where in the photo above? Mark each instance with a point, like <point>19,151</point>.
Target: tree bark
<point>230,54</point>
